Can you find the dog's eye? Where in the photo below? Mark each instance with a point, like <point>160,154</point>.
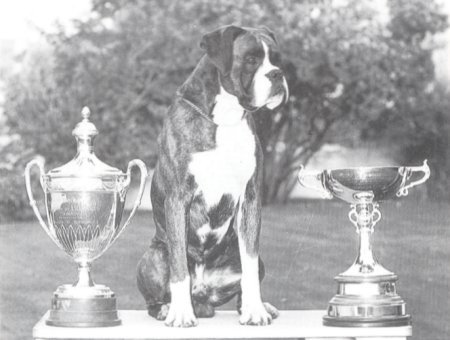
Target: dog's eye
<point>251,60</point>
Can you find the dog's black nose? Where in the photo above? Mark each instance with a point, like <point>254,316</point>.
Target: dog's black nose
<point>275,75</point>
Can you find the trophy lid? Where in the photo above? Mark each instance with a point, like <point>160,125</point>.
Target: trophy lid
<point>85,164</point>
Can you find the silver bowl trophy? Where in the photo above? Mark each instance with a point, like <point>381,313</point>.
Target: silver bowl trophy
<point>84,201</point>
<point>366,294</point>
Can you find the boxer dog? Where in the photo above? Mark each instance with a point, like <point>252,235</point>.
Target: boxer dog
<point>206,188</point>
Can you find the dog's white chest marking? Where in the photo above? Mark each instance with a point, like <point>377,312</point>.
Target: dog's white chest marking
<point>228,167</point>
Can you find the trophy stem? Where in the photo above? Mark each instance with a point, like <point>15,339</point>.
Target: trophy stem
<point>365,223</point>
<point>84,275</point>
<point>365,259</point>
<point>364,215</point>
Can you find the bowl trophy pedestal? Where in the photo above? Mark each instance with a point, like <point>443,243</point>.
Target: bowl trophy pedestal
<point>84,201</point>
<point>366,293</point>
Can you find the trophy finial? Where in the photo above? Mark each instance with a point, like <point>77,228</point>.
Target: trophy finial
<point>85,129</point>
<point>85,113</point>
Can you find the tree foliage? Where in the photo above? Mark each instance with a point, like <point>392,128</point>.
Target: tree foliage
<point>354,74</point>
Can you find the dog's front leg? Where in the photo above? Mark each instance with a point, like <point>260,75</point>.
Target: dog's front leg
<point>253,311</point>
<point>180,313</point>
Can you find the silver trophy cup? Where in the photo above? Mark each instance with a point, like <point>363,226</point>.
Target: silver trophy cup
<point>366,294</point>
<point>84,201</point>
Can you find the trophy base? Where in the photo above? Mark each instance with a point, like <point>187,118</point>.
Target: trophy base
<point>70,309</point>
<point>363,322</point>
<point>366,302</point>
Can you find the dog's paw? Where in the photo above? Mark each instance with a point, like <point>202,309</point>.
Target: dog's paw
<point>180,317</point>
<point>256,315</point>
<point>162,314</point>
<point>274,313</point>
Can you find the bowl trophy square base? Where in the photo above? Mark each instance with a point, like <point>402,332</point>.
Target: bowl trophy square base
<point>366,302</point>
<point>99,310</point>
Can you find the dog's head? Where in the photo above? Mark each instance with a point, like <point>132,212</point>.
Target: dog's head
<point>248,60</point>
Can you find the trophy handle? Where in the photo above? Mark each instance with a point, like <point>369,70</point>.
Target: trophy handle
<point>40,164</point>
<point>408,171</point>
<point>143,170</point>
<point>313,180</point>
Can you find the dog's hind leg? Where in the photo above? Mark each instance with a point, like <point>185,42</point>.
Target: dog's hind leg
<point>153,279</point>
<point>203,310</point>
<point>200,301</point>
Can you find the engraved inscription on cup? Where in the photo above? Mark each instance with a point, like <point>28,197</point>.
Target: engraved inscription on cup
<point>85,222</point>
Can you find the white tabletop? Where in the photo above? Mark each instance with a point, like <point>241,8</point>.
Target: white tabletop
<point>136,324</point>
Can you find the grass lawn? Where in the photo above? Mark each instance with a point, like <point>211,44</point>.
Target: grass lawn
<point>304,245</point>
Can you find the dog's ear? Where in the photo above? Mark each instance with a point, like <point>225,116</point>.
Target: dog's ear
<point>218,45</point>
<point>270,34</point>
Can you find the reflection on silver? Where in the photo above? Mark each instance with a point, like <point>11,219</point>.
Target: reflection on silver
<point>366,291</point>
<point>84,222</point>
<point>84,199</point>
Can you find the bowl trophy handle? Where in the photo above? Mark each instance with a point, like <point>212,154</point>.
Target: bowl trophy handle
<point>143,170</point>
<point>313,180</point>
<point>40,164</point>
<point>407,172</point>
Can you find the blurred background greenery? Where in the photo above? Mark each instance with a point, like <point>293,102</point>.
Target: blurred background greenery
<point>359,73</point>
<point>365,76</point>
